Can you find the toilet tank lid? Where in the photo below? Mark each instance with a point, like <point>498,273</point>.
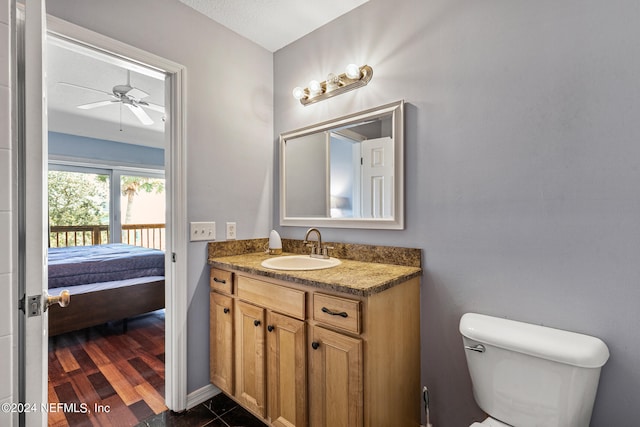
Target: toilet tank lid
<point>539,341</point>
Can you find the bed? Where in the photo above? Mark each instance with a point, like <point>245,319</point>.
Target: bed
<point>106,282</point>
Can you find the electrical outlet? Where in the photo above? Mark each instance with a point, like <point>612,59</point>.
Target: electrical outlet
<point>231,231</point>
<point>202,231</point>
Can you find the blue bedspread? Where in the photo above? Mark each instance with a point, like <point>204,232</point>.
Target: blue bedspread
<point>79,265</point>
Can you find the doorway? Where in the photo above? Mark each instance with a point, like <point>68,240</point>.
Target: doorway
<point>106,202</point>
<point>32,382</point>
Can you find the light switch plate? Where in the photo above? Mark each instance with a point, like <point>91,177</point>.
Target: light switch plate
<point>202,231</point>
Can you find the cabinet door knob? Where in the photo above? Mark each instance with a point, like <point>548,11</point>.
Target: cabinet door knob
<point>270,328</point>
<point>226,310</point>
<point>256,322</point>
<point>315,345</point>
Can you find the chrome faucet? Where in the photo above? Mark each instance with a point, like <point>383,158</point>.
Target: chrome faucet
<point>317,251</point>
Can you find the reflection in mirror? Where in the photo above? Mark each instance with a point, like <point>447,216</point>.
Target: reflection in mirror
<point>346,172</point>
<point>308,163</point>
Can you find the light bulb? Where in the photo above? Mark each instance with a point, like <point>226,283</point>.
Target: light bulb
<point>298,92</point>
<point>352,71</point>
<point>314,86</point>
<point>332,81</point>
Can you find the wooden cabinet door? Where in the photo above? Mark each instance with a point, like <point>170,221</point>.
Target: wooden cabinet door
<point>335,383</point>
<point>287,371</point>
<point>221,341</point>
<point>250,357</point>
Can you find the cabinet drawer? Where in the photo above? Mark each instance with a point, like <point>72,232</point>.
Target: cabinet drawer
<point>221,281</point>
<point>274,297</point>
<point>335,311</point>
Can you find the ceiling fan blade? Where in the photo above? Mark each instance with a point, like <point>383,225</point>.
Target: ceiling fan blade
<point>140,114</point>
<point>86,88</point>
<point>137,93</point>
<point>91,105</point>
<point>151,106</point>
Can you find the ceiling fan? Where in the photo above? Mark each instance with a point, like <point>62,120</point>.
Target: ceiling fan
<point>126,95</point>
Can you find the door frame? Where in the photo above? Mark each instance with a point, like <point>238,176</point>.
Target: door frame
<point>175,174</point>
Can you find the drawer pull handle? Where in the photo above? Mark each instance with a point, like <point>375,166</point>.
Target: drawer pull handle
<point>256,323</point>
<point>315,345</point>
<point>335,313</point>
<point>270,328</point>
<point>226,310</point>
<point>215,279</point>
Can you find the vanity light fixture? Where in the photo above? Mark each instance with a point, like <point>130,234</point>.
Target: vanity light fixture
<point>353,78</point>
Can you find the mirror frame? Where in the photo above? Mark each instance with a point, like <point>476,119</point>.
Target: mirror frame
<point>396,221</point>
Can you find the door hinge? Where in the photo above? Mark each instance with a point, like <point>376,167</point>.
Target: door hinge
<point>34,305</point>
<point>21,303</point>
<point>173,257</point>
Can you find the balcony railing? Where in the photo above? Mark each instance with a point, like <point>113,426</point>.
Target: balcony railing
<point>146,235</point>
<point>77,235</point>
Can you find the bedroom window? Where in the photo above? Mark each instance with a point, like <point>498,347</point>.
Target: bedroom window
<point>142,210</point>
<point>95,206</point>
<point>79,208</point>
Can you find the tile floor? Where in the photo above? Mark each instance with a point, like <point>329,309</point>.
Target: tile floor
<point>219,411</point>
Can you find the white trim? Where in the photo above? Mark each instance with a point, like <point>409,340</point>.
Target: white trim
<point>175,171</point>
<point>202,395</point>
<point>176,359</point>
<point>106,164</point>
<point>32,194</point>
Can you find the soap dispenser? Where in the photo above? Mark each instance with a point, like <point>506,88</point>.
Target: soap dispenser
<point>275,243</point>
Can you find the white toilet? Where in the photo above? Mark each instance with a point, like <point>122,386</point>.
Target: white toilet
<point>527,375</point>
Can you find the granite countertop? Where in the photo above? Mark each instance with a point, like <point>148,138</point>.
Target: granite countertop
<point>352,277</point>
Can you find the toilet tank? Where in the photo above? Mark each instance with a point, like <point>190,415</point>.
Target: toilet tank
<point>529,375</point>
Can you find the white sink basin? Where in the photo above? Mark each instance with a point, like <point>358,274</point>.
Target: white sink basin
<point>299,262</point>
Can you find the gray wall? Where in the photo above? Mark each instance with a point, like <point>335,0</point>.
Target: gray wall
<point>522,168</point>
<point>521,163</point>
<point>306,167</point>
<point>229,129</point>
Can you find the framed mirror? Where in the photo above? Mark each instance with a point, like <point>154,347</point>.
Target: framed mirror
<point>347,172</point>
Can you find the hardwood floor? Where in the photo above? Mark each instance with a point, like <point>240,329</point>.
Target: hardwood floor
<point>104,377</point>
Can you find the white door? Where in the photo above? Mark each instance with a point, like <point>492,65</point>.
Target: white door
<point>377,177</point>
<point>35,222</point>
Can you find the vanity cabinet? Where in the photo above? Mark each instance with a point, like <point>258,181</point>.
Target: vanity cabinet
<point>221,328</point>
<point>250,357</point>
<point>271,351</point>
<point>304,355</point>
<point>335,383</point>
<point>287,370</point>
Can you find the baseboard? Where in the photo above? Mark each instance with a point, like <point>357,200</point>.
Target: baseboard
<point>202,394</point>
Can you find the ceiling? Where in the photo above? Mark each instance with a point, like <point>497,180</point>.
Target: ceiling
<point>272,24</point>
<point>80,66</point>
